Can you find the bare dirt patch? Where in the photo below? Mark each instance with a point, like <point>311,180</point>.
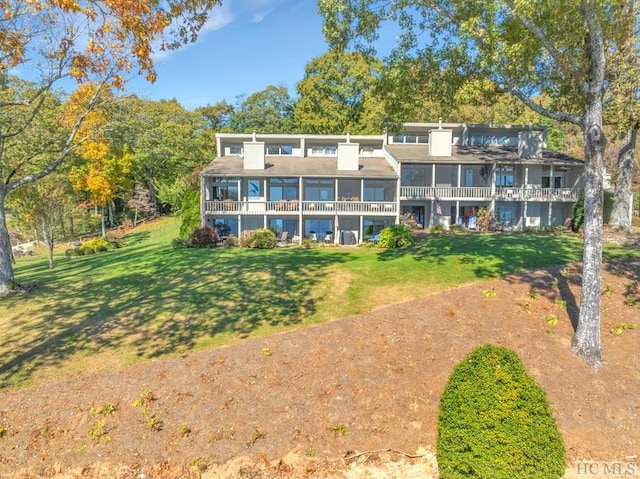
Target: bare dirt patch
<point>352,398</point>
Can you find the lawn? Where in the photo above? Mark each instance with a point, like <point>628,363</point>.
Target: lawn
<point>148,300</point>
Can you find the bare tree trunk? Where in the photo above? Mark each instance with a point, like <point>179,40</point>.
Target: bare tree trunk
<point>153,199</point>
<point>102,222</point>
<point>620,215</point>
<point>6,268</point>
<point>47,235</point>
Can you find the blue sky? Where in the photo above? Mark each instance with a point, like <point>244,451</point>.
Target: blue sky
<point>246,46</point>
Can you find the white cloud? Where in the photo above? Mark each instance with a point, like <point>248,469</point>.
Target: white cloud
<point>219,18</point>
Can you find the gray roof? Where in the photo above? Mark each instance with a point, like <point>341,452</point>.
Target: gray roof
<point>287,166</point>
<point>477,154</point>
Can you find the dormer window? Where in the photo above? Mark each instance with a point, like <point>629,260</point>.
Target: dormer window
<point>279,149</point>
<point>235,150</point>
<point>409,138</point>
<point>324,150</point>
<point>494,140</point>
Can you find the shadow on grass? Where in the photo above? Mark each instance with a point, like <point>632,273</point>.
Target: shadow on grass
<point>493,254</point>
<point>160,301</point>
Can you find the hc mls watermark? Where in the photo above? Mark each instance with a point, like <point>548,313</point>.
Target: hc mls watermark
<point>607,468</point>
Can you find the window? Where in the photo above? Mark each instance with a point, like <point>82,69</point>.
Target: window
<point>319,190</point>
<point>235,150</point>
<point>281,225</point>
<point>410,138</point>
<point>504,176</point>
<point>379,190</point>
<point>326,150</point>
<point>349,190</point>
<point>494,140</point>
<point>279,150</point>
<point>283,189</point>
<point>367,150</point>
<point>225,189</point>
<point>416,175</point>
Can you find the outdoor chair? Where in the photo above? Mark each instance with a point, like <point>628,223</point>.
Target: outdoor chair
<point>283,238</point>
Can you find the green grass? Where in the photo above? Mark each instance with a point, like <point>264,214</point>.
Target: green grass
<point>147,300</point>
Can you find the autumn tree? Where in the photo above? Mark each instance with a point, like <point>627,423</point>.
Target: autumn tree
<point>336,95</point>
<point>527,48</point>
<point>88,41</point>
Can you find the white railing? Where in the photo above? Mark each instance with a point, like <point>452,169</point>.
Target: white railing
<point>445,192</point>
<point>295,207</point>
<point>537,194</point>
<point>484,193</point>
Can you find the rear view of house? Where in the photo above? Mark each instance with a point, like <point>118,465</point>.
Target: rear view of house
<point>347,188</point>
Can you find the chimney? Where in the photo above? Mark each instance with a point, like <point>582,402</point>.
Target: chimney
<point>440,142</point>
<point>530,144</point>
<point>253,154</point>
<point>348,155</point>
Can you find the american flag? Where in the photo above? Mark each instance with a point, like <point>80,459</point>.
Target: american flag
<point>438,209</point>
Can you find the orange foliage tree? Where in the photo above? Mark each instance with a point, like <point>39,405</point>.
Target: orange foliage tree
<point>94,42</point>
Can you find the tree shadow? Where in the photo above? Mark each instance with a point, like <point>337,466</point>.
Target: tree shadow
<point>166,302</point>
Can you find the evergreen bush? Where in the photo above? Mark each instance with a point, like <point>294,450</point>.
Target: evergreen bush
<point>495,421</point>
<point>578,214</point>
<point>190,213</point>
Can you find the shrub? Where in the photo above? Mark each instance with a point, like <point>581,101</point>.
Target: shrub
<point>96,245</point>
<point>485,219</point>
<point>179,243</point>
<point>205,237</point>
<point>395,236</point>
<point>245,239</point>
<point>495,421</point>
<point>190,213</point>
<point>232,242</point>
<point>262,238</point>
<point>457,229</point>
<point>578,214</point>
<point>437,229</point>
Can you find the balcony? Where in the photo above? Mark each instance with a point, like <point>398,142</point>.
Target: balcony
<point>452,193</point>
<point>295,207</point>
<point>445,193</point>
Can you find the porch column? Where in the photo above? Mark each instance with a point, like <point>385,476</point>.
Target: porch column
<point>203,196</point>
<point>492,204</point>
<point>459,173</point>
<point>300,217</point>
<point>433,175</point>
<point>457,212</point>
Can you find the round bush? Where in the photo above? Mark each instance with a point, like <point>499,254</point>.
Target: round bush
<point>495,421</point>
<point>205,237</point>
<point>262,238</point>
<point>395,236</point>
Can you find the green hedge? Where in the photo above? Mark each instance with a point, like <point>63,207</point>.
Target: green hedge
<point>495,421</point>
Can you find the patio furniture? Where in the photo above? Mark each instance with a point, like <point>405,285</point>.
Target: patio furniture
<point>283,239</point>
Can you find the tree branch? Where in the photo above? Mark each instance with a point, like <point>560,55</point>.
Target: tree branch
<point>548,45</point>
<point>69,146</point>
<point>559,116</point>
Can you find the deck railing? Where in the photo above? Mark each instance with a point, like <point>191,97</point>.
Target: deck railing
<point>485,193</point>
<point>295,207</point>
